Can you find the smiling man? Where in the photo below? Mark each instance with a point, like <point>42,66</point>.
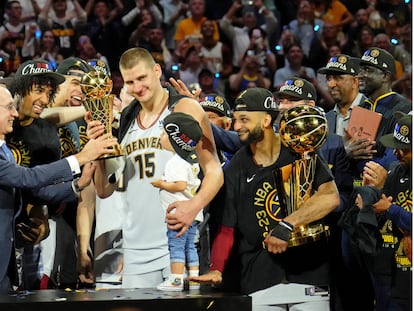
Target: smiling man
<point>34,140</point>
<point>34,88</point>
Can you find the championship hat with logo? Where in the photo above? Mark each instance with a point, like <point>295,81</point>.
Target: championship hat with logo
<point>100,65</point>
<point>378,58</point>
<point>402,135</point>
<point>38,67</point>
<point>70,64</point>
<point>255,99</point>
<point>297,88</point>
<point>184,133</point>
<point>216,103</point>
<point>341,64</point>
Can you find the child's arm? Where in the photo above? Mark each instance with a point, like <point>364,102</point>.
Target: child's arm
<point>173,186</point>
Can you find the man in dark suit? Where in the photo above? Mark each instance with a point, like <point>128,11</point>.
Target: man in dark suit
<point>48,181</point>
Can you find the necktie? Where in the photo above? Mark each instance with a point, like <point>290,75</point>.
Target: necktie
<point>7,152</point>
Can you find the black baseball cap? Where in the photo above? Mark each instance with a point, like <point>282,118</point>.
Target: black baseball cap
<point>216,103</point>
<point>255,99</point>
<point>379,58</point>
<point>402,135</point>
<point>38,67</point>
<point>297,88</point>
<point>73,63</point>
<point>341,64</point>
<point>184,132</point>
<point>100,65</point>
<point>205,72</point>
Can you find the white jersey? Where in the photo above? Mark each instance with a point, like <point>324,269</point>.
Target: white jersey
<point>145,242</point>
<point>177,169</point>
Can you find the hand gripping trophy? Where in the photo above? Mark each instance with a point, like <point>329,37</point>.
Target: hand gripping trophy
<point>97,87</point>
<point>303,129</point>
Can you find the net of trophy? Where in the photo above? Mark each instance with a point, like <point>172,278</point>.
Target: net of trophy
<point>303,128</point>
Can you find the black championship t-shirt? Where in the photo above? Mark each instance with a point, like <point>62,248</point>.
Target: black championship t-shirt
<point>35,144</point>
<point>252,207</point>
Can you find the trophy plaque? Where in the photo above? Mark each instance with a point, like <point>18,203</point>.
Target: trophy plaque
<point>303,129</point>
<point>97,87</point>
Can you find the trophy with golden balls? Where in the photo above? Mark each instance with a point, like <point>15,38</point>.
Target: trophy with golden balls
<point>303,129</point>
<point>97,87</point>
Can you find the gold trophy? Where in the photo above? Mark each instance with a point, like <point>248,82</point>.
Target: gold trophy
<point>303,129</point>
<point>97,87</point>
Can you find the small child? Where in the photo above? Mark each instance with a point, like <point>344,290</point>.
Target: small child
<point>180,182</point>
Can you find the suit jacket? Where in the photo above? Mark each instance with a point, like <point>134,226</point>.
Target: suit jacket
<point>50,181</point>
<point>334,153</point>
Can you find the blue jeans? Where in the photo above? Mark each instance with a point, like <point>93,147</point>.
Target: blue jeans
<point>182,249</point>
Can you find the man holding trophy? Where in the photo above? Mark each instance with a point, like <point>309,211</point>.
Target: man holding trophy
<point>272,273</point>
<point>146,256</point>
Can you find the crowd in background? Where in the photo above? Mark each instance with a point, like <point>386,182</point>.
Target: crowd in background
<point>222,46</point>
<point>216,50</point>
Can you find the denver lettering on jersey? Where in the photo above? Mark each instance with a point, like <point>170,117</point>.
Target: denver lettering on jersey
<point>147,142</point>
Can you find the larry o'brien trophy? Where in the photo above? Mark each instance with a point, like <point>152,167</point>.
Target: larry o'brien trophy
<point>97,87</point>
<point>303,129</point>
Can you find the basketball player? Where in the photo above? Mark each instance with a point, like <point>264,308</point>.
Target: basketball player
<point>146,257</point>
<point>272,274</point>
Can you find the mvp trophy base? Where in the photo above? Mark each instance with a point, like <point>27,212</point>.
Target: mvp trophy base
<point>308,234</point>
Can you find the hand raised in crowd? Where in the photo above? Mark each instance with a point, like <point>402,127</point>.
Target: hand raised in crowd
<point>182,89</point>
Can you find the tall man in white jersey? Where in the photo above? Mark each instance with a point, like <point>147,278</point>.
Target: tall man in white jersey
<point>146,258</point>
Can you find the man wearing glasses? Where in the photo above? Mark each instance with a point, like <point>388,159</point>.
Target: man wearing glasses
<point>52,180</point>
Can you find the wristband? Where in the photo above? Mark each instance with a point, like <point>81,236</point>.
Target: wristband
<point>286,224</point>
<point>282,231</point>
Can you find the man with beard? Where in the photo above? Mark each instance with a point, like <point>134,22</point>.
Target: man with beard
<point>271,273</point>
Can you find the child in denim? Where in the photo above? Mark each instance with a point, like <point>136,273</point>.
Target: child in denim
<point>180,182</point>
